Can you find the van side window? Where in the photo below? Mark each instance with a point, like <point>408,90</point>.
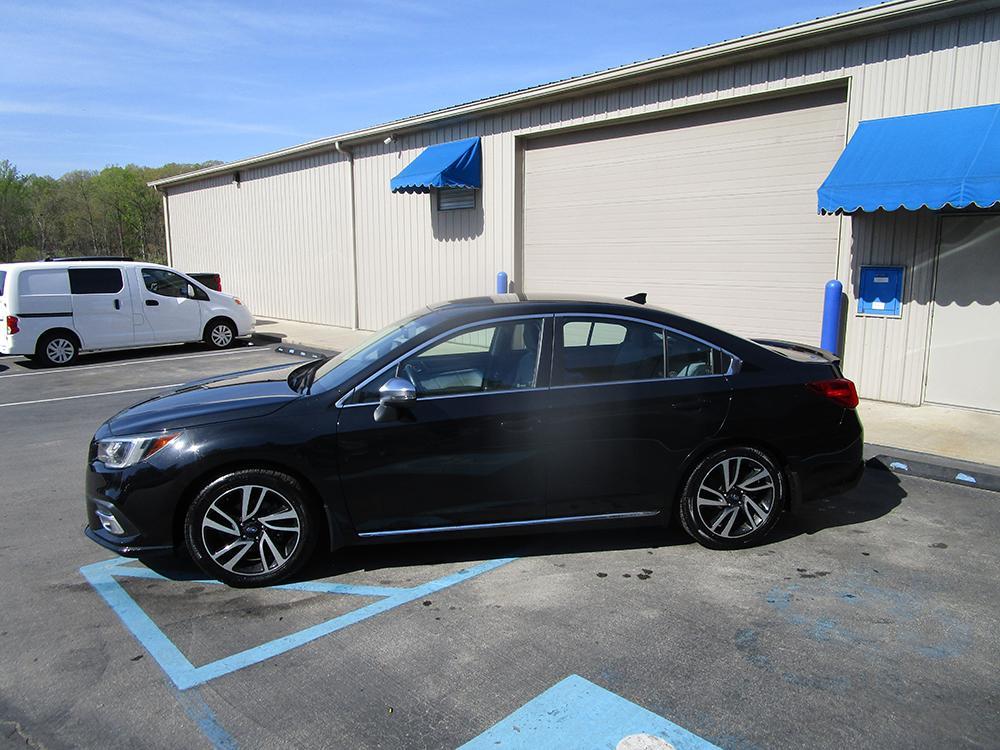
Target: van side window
<point>95,280</point>
<point>165,283</point>
<point>43,281</point>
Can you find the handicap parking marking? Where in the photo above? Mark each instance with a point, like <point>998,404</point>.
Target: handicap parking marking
<point>576,714</point>
<point>102,576</point>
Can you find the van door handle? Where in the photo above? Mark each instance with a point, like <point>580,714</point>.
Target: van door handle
<point>152,303</point>
<point>118,305</point>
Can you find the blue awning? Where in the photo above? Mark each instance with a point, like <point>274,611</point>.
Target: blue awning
<point>448,165</point>
<point>949,158</point>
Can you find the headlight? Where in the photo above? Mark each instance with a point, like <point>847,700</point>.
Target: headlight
<point>118,453</point>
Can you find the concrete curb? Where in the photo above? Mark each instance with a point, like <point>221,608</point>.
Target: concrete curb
<point>290,347</point>
<point>929,466</point>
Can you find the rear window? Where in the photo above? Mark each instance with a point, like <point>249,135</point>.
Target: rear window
<point>3,279</point>
<point>95,280</point>
<point>43,281</point>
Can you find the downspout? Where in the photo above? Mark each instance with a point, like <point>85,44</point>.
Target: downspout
<point>166,229</point>
<point>354,237</point>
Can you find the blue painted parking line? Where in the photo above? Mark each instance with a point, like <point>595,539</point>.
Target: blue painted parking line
<point>102,576</point>
<point>576,714</point>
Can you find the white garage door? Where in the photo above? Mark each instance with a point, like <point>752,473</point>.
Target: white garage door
<point>712,213</point>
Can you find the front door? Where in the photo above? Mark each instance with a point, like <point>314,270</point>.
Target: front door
<point>469,449</point>
<point>102,308</point>
<point>629,401</point>
<point>965,327</point>
<point>169,306</point>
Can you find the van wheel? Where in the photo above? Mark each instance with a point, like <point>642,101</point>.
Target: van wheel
<point>58,349</point>
<point>220,334</point>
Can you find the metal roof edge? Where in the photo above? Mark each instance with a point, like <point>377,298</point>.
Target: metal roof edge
<point>839,22</point>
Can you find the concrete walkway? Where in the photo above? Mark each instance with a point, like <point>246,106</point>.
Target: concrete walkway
<point>329,339</point>
<point>938,430</point>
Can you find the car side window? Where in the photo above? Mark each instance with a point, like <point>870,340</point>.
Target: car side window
<point>690,358</point>
<point>595,350</point>
<point>166,283</point>
<point>498,357</point>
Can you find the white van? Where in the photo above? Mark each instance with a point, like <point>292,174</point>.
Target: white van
<point>53,310</point>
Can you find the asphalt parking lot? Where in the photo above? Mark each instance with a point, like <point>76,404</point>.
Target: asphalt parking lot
<point>869,620</point>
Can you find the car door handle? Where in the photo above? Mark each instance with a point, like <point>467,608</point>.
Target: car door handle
<point>520,424</point>
<point>151,303</point>
<point>691,404</point>
<point>118,305</point>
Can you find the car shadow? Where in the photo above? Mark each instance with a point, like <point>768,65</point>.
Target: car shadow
<point>125,355</point>
<point>877,495</point>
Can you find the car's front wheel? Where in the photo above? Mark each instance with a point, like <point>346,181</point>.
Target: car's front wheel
<point>250,527</point>
<point>733,498</point>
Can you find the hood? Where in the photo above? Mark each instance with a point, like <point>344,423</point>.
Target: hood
<point>241,395</point>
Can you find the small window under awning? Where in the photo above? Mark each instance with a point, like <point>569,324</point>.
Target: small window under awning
<point>448,165</point>
<point>948,158</point>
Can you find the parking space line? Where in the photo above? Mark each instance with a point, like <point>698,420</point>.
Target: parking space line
<point>135,362</point>
<point>102,576</point>
<point>91,395</point>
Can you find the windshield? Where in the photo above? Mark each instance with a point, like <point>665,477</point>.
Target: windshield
<point>349,363</point>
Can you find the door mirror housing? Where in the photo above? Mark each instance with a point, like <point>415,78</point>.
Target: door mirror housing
<point>397,392</point>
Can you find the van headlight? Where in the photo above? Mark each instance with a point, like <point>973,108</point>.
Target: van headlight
<point>119,453</point>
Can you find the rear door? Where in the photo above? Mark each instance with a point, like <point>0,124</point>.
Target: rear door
<point>629,401</point>
<point>170,306</point>
<point>102,308</point>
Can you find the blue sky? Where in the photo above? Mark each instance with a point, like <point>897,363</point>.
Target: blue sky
<point>86,84</point>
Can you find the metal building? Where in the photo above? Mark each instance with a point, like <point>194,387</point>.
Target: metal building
<point>692,177</point>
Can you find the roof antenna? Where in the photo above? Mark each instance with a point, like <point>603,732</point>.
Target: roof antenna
<point>639,298</point>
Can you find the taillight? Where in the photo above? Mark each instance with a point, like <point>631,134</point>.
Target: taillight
<point>838,390</point>
<point>12,324</point>
<point>218,282</point>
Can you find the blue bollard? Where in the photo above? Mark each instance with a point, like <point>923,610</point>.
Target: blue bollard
<point>502,282</point>
<point>830,338</point>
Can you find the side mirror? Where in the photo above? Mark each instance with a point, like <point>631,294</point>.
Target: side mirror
<point>397,392</point>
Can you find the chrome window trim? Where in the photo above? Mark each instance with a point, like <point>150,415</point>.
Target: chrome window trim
<point>734,362</point>
<point>512,524</point>
<point>341,402</point>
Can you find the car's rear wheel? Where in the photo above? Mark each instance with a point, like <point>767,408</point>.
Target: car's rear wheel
<point>250,527</point>
<point>58,349</point>
<point>220,333</point>
<point>733,498</point>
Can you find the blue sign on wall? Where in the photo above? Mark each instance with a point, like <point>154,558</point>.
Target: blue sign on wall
<point>880,291</point>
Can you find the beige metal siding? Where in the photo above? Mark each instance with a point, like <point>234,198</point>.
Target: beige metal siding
<point>403,264</point>
<point>712,213</point>
<point>281,238</point>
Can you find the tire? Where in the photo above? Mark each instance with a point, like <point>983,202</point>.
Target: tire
<point>220,333</point>
<point>733,498</point>
<point>57,349</point>
<point>250,528</point>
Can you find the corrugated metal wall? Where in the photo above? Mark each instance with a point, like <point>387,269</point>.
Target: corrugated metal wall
<point>281,238</point>
<point>409,254</point>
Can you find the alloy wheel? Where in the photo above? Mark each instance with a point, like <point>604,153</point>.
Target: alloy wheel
<point>736,497</point>
<point>222,335</point>
<point>251,530</point>
<point>60,351</point>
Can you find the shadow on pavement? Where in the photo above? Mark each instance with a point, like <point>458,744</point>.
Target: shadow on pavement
<point>877,495</point>
<point>125,355</point>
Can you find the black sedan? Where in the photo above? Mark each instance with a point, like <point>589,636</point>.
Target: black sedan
<point>479,416</point>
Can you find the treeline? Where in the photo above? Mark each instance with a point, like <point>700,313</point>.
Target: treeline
<point>110,212</point>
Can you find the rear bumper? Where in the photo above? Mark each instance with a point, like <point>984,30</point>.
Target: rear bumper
<point>830,473</point>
